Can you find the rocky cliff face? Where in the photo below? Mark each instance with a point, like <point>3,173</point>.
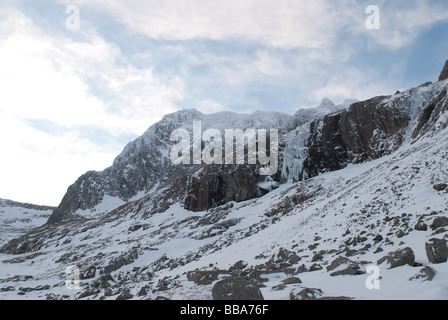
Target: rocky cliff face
<point>365,131</point>
<point>312,141</point>
<point>391,212</point>
<point>144,167</point>
<point>444,73</point>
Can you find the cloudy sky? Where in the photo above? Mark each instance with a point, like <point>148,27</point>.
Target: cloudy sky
<point>73,94</point>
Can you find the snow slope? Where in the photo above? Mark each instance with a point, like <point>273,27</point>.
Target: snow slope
<point>381,197</point>
<point>18,218</point>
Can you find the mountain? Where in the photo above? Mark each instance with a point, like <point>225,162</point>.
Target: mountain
<point>19,218</point>
<point>144,166</point>
<point>358,210</point>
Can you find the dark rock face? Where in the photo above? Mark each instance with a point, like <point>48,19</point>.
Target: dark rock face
<point>437,251</point>
<point>444,73</point>
<point>367,130</point>
<point>399,258</point>
<point>430,115</point>
<point>236,288</point>
<point>216,186</point>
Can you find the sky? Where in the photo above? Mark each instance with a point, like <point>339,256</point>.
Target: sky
<point>79,79</point>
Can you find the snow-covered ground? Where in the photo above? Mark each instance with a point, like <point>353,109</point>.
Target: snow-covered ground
<point>17,219</point>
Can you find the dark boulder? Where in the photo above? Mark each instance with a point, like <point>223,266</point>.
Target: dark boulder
<point>305,294</point>
<point>125,295</point>
<point>204,278</point>
<point>439,222</point>
<point>437,251</point>
<point>236,288</point>
<point>421,226</point>
<point>399,258</point>
<point>343,266</point>
<point>426,274</point>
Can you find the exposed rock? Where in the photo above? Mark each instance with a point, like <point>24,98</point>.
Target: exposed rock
<point>302,269</point>
<point>212,188</point>
<point>52,296</point>
<point>378,238</point>
<point>7,289</point>
<point>354,135</point>
<point>284,255</point>
<point>236,288</point>
<point>439,222</point>
<point>205,277</point>
<point>103,282</point>
<point>240,265</point>
<point>421,226</point>
<point>143,291</point>
<point>440,187</point>
<point>399,258</point>
<point>341,298</point>
<point>317,257</point>
<point>89,292</point>
<point>89,273</point>
<point>444,73</point>
<point>122,260</point>
<point>305,294</point>
<point>38,288</point>
<point>292,280</point>
<point>316,267</point>
<point>125,295</point>
<point>437,251</point>
<point>344,266</point>
<point>426,274</point>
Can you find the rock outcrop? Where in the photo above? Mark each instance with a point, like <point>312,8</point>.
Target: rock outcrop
<point>444,73</point>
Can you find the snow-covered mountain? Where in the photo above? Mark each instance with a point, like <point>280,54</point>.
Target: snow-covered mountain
<point>358,211</point>
<point>19,218</point>
<point>144,166</point>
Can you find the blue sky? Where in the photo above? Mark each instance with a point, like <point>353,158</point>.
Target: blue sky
<point>70,100</point>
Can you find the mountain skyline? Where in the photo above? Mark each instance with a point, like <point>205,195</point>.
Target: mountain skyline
<point>74,95</point>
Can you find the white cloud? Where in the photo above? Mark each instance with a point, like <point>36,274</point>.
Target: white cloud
<point>283,23</point>
<point>49,78</point>
<point>37,167</point>
<point>402,22</point>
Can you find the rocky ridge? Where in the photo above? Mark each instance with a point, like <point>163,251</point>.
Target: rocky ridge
<point>377,198</point>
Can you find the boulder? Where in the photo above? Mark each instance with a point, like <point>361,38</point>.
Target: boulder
<point>440,187</point>
<point>439,222</point>
<point>236,288</point>
<point>437,251</point>
<point>316,267</point>
<point>240,265</point>
<point>399,258</point>
<point>426,274</point>
<point>421,226</point>
<point>125,295</point>
<point>292,280</point>
<point>344,266</point>
<point>305,294</point>
<point>204,278</point>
